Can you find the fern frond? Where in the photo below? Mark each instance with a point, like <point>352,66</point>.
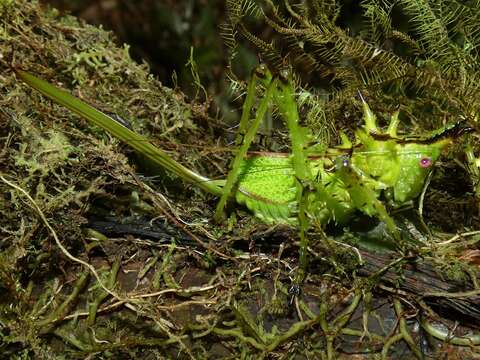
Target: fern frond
<point>421,55</point>
<point>318,9</point>
<point>406,40</point>
<point>465,20</point>
<point>269,52</point>
<point>238,9</point>
<point>229,35</point>
<point>432,31</point>
<point>378,21</point>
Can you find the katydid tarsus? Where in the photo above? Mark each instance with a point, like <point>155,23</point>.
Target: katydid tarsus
<point>305,187</point>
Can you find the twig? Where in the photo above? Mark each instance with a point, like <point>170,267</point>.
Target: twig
<point>57,240</point>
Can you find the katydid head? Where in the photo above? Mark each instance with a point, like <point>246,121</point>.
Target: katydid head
<point>399,164</point>
<point>415,161</point>
<point>417,155</point>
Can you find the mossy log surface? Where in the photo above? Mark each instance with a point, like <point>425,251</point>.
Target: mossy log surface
<point>94,263</point>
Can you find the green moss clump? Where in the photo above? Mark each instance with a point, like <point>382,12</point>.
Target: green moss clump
<point>69,169</point>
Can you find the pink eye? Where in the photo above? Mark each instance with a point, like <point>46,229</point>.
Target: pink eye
<point>425,162</point>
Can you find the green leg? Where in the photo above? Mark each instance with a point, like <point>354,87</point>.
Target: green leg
<point>285,100</point>
<point>245,140</point>
<point>246,108</point>
<point>364,197</point>
<point>281,91</point>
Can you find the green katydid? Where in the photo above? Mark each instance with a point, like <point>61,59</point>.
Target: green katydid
<point>305,187</point>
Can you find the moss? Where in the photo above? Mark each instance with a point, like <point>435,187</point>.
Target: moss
<point>63,164</point>
<point>191,295</point>
<point>455,272</point>
<point>43,153</point>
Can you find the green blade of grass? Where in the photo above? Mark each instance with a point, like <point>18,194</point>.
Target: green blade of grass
<point>136,141</point>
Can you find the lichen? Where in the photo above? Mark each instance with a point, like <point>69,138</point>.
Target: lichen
<point>43,153</point>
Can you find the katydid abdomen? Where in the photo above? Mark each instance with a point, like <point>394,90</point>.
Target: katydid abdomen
<point>267,187</point>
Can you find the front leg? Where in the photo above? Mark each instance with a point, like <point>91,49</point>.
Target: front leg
<point>363,194</point>
<point>285,100</point>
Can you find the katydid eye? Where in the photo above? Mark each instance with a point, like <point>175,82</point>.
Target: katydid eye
<point>425,162</point>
